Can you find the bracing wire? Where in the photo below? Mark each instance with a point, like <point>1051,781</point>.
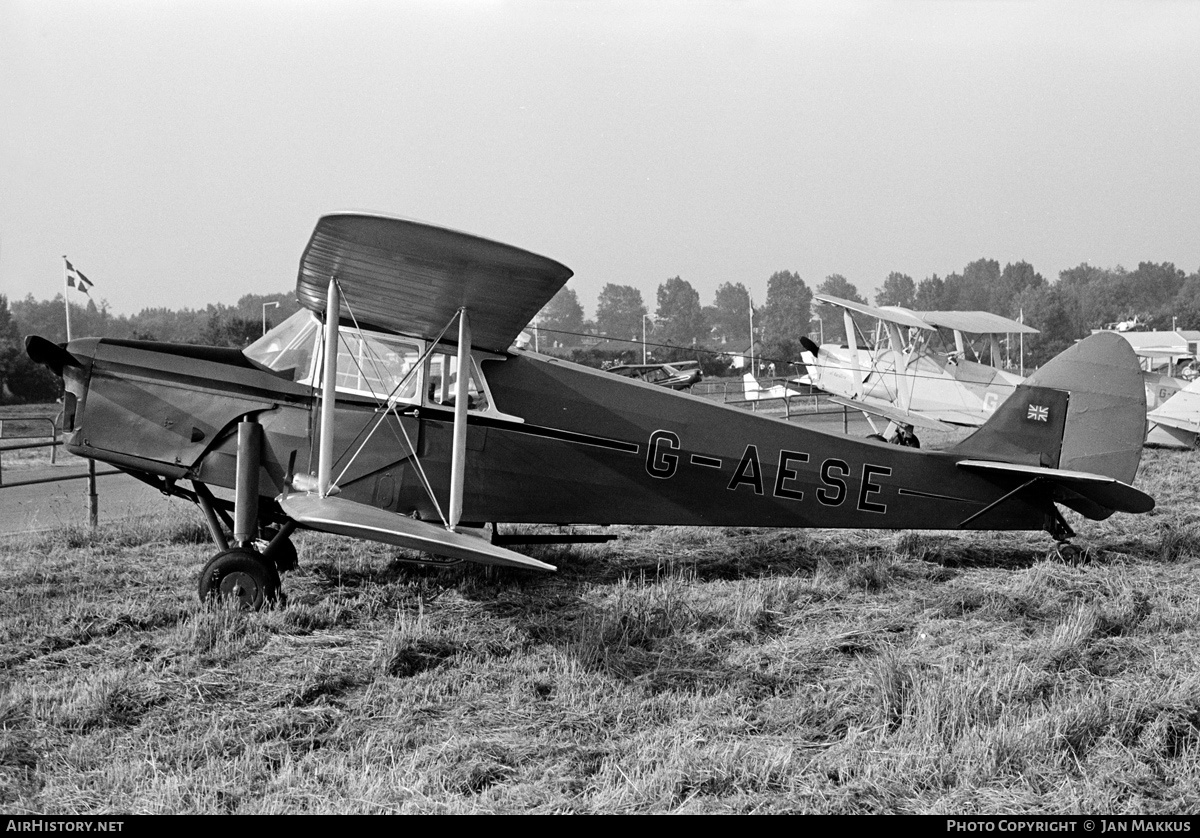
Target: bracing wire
<point>388,405</point>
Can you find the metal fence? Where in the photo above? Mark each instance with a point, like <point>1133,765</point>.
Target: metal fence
<point>53,444</point>
<point>732,391</point>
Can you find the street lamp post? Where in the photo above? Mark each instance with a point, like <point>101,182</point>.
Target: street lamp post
<point>645,317</point>
<point>265,307</point>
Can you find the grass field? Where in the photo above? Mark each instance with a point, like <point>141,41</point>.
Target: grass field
<point>674,670</point>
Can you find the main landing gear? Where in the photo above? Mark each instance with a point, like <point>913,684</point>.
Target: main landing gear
<point>242,575</point>
<point>895,433</point>
<point>240,571</point>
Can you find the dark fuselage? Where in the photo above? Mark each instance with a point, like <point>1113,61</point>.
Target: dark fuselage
<point>592,448</point>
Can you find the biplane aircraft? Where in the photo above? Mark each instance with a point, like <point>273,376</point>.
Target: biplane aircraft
<point>1175,423</point>
<point>905,373</point>
<point>392,408</point>
<point>677,375</point>
<point>1172,395</point>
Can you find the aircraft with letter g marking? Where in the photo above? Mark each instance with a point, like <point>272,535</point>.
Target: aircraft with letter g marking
<point>393,408</point>
<point>905,376</point>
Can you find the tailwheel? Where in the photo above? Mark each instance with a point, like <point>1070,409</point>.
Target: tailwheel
<point>242,575</point>
<point>1069,553</point>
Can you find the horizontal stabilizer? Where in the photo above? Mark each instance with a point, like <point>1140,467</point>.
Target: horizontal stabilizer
<point>1092,495</point>
<point>358,520</point>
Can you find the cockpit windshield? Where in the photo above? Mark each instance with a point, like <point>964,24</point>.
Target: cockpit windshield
<point>288,348</point>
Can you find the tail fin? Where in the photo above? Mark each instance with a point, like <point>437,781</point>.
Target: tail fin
<point>1084,411</point>
<point>750,386</point>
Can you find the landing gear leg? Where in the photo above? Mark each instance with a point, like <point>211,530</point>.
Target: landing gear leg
<point>280,551</point>
<point>212,516</point>
<point>238,571</point>
<point>1058,528</point>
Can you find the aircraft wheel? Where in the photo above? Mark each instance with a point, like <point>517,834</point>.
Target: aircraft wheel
<point>1071,554</point>
<point>876,436</point>
<point>240,574</point>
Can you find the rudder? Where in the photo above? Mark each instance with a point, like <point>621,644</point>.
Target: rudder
<point>1084,411</point>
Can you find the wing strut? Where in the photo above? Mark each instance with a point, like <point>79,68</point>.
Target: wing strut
<point>848,321</point>
<point>333,309</point>
<point>458,450</point>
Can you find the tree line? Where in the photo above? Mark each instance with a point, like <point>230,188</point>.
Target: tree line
<point>1155,295</point>
<point>215,325</point>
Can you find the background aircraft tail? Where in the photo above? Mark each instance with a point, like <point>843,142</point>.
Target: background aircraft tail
<point>1084,411</point>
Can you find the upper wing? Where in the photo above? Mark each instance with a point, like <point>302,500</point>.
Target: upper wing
<point>892,314</point>
<point>976,322</point>
<point>410,278</point>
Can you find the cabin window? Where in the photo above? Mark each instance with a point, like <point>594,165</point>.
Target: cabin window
<point>443,382</point>
<point>370,364</point>
<point>377,365</point>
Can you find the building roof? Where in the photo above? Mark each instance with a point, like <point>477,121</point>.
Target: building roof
<point>1177,342</point>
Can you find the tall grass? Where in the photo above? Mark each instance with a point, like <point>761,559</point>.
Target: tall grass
<point>674,670</point>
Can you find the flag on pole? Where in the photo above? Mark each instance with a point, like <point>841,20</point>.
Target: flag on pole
<point>76,279</point>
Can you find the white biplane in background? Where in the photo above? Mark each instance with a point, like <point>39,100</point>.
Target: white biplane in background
<point>1172,396</point>
<point>908,371</point>
<point>1176,422</point>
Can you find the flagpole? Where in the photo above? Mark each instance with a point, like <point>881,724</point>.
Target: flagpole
<point>752,369</point>
<point>1022,321</point>
<point>67,297</point>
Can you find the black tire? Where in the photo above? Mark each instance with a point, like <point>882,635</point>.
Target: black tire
<point>1070,554</point>
<point>240,574</point>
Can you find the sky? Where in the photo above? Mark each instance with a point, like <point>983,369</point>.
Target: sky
<point>179,153</point>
